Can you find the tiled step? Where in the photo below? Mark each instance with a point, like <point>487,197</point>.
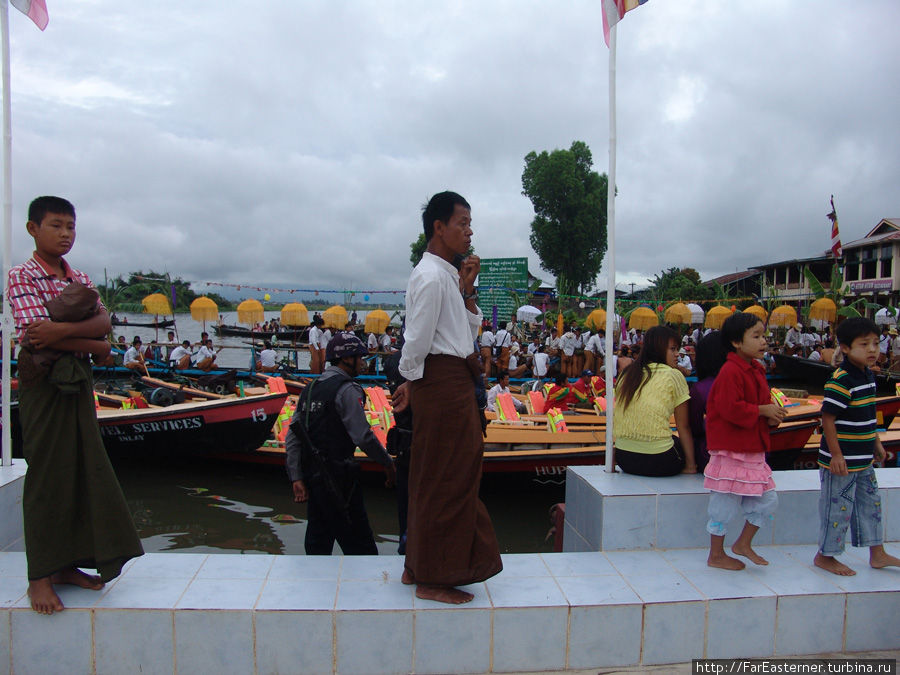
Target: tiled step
<point>197,613</point>
<point>616,512</point>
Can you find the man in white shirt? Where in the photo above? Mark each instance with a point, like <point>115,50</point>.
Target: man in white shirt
<point>180,357</point>
<point>266,362</point>
<point>316,351</point>
<point>593,352</point>
<point>502,343</point>
<point>502,387</point>
<point>487,351</point>
<point>133,358</point>
<point>567,349</point>
<point>684,362</point>
<point>792,339</point>
<point>372,343</point>
<point>541,363</point>
<point>387,342</point>
<point>442,320</point>
<point>206,356</point>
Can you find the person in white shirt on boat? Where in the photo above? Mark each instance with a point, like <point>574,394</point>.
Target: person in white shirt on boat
<point>180,357</point>
<point>266,362</point>
<point>684,362</point>
<point>206,356</point>
<point>387,340</point>
<point>541,363</point>
<point>133,358</point>
<point>372,343</point>
<point>502,387</point>
<point>316,351</point>
<point>515,368</point>
<point>792,339</point>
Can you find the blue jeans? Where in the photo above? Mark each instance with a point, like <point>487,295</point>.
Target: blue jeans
<point>849,501</point>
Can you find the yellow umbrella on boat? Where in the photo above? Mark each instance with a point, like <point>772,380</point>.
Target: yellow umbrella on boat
<point>643,318</point>
<point>596,320</point>
<point>376,321</point>
<point>204,309</point>
<point>678,313</point>
<point>294,314</point>
<point>783,315</point>
<point>250,311</point>
<point>824,309</point>
<point>335,317</point>
<point>156,303</point>
<point>716,316</point>
<point>757,310</point>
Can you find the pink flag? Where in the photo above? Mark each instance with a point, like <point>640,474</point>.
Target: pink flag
<point>36,10</point>
<point>614,11</point>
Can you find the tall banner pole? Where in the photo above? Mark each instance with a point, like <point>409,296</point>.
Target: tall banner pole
<point>611,254</point>
<point>7,324</point>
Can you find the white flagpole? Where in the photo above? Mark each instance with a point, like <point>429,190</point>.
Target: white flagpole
<point>611,253</point>
<point>7,324</point>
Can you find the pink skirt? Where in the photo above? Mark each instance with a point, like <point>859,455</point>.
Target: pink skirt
<point>738,473</point>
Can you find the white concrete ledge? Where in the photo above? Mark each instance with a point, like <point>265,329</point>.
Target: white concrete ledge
<point>197,613</point>
<point>618,512</point>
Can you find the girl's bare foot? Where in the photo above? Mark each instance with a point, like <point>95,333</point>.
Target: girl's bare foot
<point>724,561</point>
<point>76,577</point>
<point>451,596</point>
<point>748,552</point>
<point>879,558</point>
<point>831,564</point>
<point>44,599</point>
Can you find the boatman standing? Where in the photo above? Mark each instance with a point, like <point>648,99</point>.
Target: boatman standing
<point>327,426</point>
<point>451,541</point>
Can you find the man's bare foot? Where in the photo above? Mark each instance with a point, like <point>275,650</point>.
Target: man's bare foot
<point>879,558</point>
<point>748,552</point>
<point>724,561</point>
<point>452,596</point>
<point>831,564</point>
<point>76,577</point>
<point>407,578</point>
<point>44,599</point>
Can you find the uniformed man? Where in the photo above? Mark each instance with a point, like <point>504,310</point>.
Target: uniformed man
<point>328,425</point>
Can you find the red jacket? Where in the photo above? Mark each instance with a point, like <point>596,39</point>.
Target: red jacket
<point>733,421</point>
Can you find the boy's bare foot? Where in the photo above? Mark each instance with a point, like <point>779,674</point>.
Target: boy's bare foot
<point>879,558</point>
<point>407,578</point>
<point>724,561</point>
<point>76,577</point>
<point>44,599</point>
<point>451,596</point>
<point>831,564</point>
<point>748,552</point>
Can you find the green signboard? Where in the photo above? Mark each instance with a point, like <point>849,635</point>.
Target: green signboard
<point>496,282</point>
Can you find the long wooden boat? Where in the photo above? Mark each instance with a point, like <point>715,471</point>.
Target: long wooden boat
<point>281,336</point>
<point>167,323</point>
<point>817,373</point>
<point>226,425</point>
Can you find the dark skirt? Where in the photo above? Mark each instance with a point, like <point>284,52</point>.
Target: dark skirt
<point>74,511</point>
<point>451,540</point>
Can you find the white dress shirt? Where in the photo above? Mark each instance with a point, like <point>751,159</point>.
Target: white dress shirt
<point>437,321</point>
<point>372,342</point>
<point>487,339</point>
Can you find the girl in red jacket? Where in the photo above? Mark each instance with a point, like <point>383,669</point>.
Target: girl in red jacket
<point>739,413</point>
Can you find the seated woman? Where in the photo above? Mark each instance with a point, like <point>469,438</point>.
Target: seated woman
<point>710,359</point>
<point>648,392</point>
<point>559,394</point>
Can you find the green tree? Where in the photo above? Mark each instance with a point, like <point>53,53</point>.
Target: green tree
<point>679,284</point>
<point>568,232</point>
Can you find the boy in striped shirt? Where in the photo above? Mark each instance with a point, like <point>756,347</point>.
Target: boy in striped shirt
<point>849,491</point>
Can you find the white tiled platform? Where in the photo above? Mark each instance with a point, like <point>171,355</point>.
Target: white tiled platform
<point>619,512</point>
<point>199,613</point>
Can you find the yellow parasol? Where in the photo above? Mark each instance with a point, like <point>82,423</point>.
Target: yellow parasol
<point>716,316</point>
<point>294,314</point>
<point>376,321</point>
<point>757,310</point>
<point>783,315</point>
<point>335,317</point>
<point>596,320</point>
<point>824,309</point>
<point>156,303</point>
<point>678,313</point>
<point>204,309</point>
<point>250,311</point>
<point>643,318</point>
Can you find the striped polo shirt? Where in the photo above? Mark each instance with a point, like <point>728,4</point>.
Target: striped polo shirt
<point>31,284</point>
<point>850,397</point>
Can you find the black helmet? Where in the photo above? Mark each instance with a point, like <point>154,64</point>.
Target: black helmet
<point>345,344</point>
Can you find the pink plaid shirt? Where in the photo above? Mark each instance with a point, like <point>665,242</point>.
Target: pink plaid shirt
<point>30,285</point>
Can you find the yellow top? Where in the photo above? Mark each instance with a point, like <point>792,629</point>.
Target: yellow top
<point>643,426</point>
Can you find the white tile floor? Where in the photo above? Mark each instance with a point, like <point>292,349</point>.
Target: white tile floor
<point>198,613</point>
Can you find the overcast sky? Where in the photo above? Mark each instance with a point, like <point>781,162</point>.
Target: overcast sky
<point>291,143</point>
